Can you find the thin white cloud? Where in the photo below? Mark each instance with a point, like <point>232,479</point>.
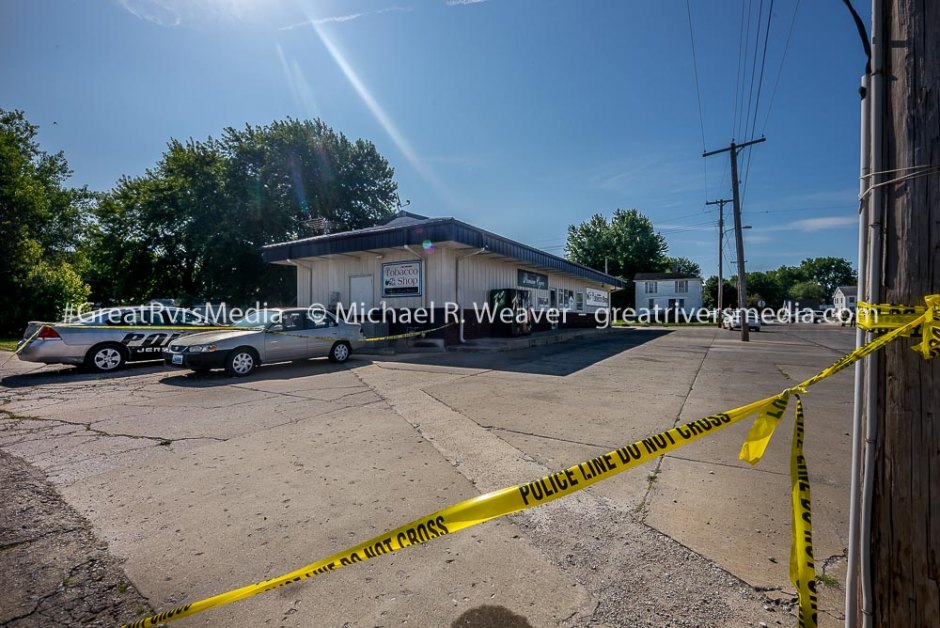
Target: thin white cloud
<point>176,12</point>
<point>457,3</point>
<point>757,239</point>
<point>826,222</point>
<point>338,19</point>
<point>159,12</point>
<point>822,223</point>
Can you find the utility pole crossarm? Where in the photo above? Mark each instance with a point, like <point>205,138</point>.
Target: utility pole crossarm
<point>733,145</point>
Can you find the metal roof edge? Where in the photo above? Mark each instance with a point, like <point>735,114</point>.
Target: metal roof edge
<point>435,229</point>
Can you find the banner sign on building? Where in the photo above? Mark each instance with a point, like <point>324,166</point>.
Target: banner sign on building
<point>536,281</point>
<point>597,298</point>
<point>401,279</point>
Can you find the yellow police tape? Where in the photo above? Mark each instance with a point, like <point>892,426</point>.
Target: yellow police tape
<point>22,346</point>
<point>887,317</point>
<point>802,567</point>
<point>551,487</point>
<point>410,334</point>
<point>521,497</point>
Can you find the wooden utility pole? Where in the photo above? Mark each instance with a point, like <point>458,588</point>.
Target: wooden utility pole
<point>721,202</point>
<point>905,513</point>
<point>739,240</point>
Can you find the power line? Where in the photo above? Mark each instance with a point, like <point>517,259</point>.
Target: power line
<point>743,66</point>
<point>783,60</point>
<point>698,91</point>
<point>760,85</point>
<point>750,95</point>
<point>737,75</point>
<point>760,81</point>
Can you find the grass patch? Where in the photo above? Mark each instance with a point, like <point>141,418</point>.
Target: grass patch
<point>8,344</point>
<point>827,580</point>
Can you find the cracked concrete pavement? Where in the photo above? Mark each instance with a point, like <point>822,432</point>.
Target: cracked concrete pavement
<point>202,483</point>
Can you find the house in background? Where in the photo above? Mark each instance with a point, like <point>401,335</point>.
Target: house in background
<point>844,298</point>
<point>668,291</point>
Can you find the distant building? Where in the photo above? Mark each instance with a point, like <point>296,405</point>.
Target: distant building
<point>413,265</point>
<point>668,291</point>
<point>844,298</point>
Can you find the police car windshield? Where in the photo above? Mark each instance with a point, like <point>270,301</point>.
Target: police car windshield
<point>262,318</point>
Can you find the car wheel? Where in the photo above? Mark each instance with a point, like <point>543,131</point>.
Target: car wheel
<point>241,362</point>
<point>106,357</point>
<point>339,353</point>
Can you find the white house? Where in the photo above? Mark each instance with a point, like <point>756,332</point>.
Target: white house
<point>668,291</point>
<point>844,298</point>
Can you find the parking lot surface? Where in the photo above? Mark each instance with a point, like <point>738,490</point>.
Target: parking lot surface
<point>202,483</point>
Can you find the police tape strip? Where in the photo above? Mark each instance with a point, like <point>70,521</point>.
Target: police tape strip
<point>887,317</point>
<point>410,334</point>
<point>22,346</point>
<point>514,499</point>
<point>802,566</point>
<point>477,510</point>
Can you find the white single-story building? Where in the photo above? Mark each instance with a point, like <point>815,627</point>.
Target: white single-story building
<point>844,298</point>
<point>414,264</point>
<point>668,291</point>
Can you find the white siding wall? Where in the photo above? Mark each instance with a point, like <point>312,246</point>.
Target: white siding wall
<point>665,290</point>
<point>318,277</point>
<point>480,274</point>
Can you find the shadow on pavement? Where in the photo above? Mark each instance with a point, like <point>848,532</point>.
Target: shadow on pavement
<point>559,360</point>
<point>63,373</point>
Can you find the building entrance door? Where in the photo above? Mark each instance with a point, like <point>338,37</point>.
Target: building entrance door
<point>360,292</point>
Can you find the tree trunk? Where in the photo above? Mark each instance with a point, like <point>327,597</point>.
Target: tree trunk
<point>906,507</point>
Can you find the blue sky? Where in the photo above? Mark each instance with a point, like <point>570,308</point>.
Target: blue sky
<point>518,116</point>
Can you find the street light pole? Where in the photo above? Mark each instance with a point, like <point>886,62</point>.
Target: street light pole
<point>739,244</point>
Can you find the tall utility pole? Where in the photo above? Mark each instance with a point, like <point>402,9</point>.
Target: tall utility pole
<point>739,240</point>
<point>721,202</point>
<point>903,515</point>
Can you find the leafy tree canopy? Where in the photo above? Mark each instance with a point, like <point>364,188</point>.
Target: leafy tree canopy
<point>192,227</point>
<point>41,228</point>
<point>626,244</point>
<point>829,273</point>
<point>807,290</point>
<point>681,265</point>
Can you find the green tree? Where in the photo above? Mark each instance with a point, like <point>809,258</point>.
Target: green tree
<point>41,228</point>
<point>193,226</point>
<point>627,244</point>
<point>710,293</point>
<point>764,286</point>
<point>829,273</point>
<point>807,290</point>
<point>681,265</point>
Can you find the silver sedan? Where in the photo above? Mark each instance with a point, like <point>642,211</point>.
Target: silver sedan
<point>273,335</point>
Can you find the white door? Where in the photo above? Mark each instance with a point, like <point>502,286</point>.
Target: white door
<point>360,291</point>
